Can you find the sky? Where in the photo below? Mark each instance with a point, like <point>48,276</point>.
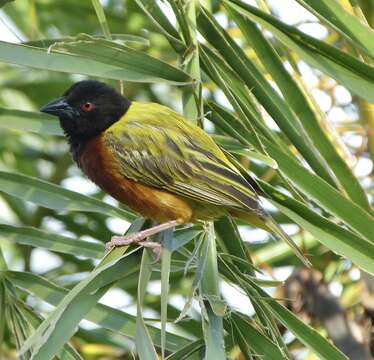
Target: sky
<point>7,30</point>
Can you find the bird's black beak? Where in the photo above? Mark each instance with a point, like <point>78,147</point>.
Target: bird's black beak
<point>57,107</point>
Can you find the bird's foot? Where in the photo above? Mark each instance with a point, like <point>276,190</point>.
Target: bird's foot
<point>137,239</point>
<point>155,247</point>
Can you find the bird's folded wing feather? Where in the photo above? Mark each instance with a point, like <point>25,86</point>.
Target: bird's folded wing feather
<point>178,158</point>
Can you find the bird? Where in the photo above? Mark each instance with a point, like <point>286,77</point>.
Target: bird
<point>156,162</point>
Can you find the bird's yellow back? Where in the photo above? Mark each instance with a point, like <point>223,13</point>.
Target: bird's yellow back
<point>142,117</point>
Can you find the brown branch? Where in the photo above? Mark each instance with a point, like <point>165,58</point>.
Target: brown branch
<point>309,297</point>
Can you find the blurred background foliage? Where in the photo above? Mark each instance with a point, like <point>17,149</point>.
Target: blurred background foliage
<point>280,93</point>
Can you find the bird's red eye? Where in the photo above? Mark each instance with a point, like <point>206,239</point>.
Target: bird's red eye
<point>88,106</point>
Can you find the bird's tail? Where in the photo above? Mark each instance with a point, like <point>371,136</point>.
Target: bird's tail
<point>266,222</point>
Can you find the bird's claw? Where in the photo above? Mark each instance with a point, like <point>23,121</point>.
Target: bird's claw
<point>117,241</point>
<point>155,247</point>
<point>134,239</point>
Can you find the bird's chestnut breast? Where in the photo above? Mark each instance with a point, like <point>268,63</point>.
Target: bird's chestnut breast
<point>98,162</point>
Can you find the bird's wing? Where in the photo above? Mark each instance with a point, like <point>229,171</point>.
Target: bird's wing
<point>157,147</point>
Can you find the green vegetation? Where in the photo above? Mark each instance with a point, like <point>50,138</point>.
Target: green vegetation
<point>256,83</point>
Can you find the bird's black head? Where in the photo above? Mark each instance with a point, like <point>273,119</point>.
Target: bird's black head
<point>86,109</point>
